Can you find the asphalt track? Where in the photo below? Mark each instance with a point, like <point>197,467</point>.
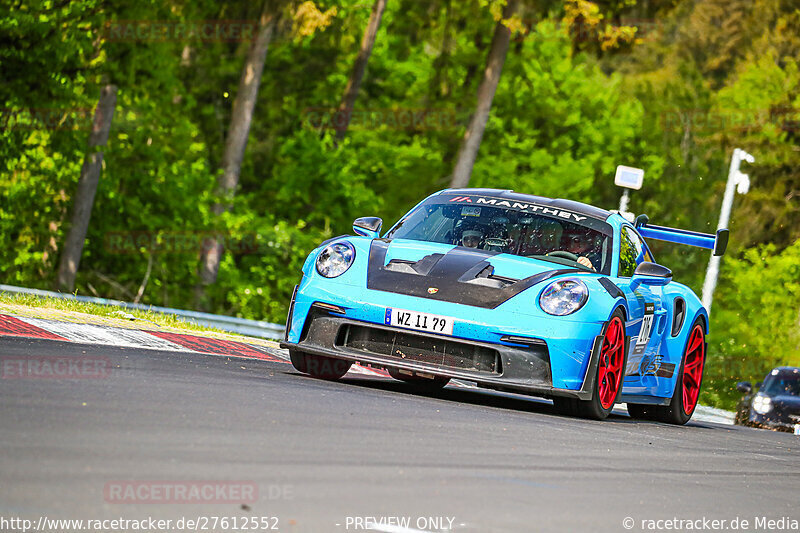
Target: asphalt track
<point>321,452</point>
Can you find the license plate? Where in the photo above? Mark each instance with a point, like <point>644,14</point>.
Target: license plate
<point>419,321</point>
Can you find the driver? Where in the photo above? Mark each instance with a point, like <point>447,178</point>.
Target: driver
<point>471,238</point>
<point>550,233</point>
<point>581,245</point>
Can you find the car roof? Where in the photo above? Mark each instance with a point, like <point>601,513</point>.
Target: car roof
<point>506,194</point>
<point>785,370</point>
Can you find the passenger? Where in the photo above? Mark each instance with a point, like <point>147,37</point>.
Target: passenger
<point>546,239</point>
<point>521,236</point>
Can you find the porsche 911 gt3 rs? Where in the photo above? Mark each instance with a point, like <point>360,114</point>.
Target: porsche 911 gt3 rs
<point>514,292</point>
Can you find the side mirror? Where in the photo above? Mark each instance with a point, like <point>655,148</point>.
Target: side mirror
<point>368,227</point>
<point>650,274</point>
<point>744,387</point>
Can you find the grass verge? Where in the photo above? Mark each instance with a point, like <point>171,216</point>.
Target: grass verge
<point>8,299</point>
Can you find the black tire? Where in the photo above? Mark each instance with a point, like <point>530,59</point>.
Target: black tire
<point>319,366</point>
<point>419,383</point>
<point>674,413</point>
<point>639,411</point>
<point>566,406</point>
<point>742,417</point>
<point>593,408</point>
<point>298,360</point>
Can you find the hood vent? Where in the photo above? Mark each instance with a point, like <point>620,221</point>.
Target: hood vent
<point>462,275</point>
<point>481,274</point>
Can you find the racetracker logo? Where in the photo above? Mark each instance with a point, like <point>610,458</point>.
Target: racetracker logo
<point>625,32</point>
<point>780,119</point>
<point>55,367</point>
<point>180,492</point>
<point>181,242</point>
<point>75,118</point>
<point>390,119</point>
<point>199,30</point>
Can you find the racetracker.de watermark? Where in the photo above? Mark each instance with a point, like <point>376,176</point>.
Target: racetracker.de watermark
<point>583,32</point>
<point>399,523</point>
<point>233,523</point>
<point>48,118</point>
<point>733,120</point>
<point>179,242</point>
<point>646,29</point>
<point>704,523</point>
<point>55,367</point>
<point>198,30</point>
<point>392,119</point>
<point>237,492</point>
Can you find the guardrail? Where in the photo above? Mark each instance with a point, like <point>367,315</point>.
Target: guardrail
<point>268,330</point>
<point>242,326</point>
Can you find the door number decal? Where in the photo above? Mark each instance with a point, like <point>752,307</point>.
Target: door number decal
<point>647,328</point>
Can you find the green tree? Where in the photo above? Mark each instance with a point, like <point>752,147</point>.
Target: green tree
<point>756,320</point>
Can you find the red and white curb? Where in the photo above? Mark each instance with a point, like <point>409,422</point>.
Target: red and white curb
<point>41,328</point>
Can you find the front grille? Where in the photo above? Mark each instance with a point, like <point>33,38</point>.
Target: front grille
<point>431,350</point>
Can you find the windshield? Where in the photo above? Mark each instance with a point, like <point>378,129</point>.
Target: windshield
<point>782,383</point>
<point>523,229</point>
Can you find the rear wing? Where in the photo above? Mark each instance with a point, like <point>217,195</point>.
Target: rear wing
<point>718,243</point>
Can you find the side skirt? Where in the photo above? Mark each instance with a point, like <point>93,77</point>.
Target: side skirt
<point>649,400</point>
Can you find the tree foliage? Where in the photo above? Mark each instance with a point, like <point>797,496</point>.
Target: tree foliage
<point>671,86</point>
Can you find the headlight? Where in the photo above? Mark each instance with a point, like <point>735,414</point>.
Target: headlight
<point>762,404</point>
<point>335,259</point>
<point>564,297</point>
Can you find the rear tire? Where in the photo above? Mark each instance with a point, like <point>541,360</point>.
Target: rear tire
<point>319,366</point>
<point>639,411</point>
<point>690,379</point>
<point>687,385</point>
<point>419,383</point>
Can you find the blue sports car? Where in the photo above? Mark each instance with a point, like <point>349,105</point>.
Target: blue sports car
<point>514,292</point>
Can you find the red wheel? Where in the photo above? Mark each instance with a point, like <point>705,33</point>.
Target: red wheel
<point>693,368</point>
<point>608,380</point>
<point>610,366</point>
<point>687,386</point>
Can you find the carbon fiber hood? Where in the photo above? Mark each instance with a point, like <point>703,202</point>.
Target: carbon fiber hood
<point>454,274</point>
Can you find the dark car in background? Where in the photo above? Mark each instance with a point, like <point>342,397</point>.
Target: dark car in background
<point>776,403</point>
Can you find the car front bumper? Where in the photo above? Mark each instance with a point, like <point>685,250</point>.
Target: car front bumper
<point>523,367</point>
<point>570,340</point>
<point>771,420</point>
